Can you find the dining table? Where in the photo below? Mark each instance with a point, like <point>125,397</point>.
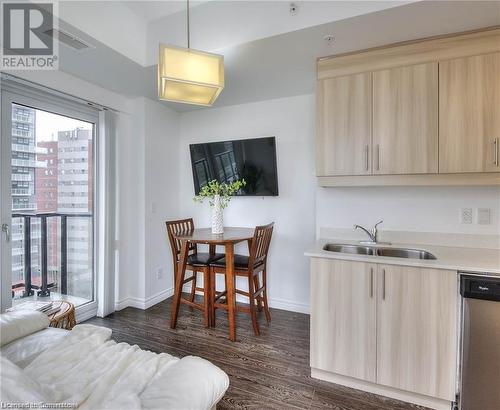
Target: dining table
<point>228,239</point>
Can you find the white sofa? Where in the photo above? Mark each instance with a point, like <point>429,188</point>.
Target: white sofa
<point>86,369</point>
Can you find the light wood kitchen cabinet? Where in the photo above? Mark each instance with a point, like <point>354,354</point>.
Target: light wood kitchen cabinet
<point>430,117</point>
<point>343,317</point>
<point>416,330</point>
<point>385,328</point>
<point>344,113</point>
<point>405,120</point>
<point>469,114</point>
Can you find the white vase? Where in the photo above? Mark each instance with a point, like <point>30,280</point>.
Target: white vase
<point>217,216</point>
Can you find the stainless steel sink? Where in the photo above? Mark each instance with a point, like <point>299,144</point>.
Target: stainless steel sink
<point>375,251</point>
<point>352,249</point>
<point>405,253</point>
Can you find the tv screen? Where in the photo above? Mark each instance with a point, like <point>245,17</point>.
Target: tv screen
<point>251,159</point>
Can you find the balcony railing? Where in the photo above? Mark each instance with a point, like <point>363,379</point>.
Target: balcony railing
<point>43,288</point>
<point>22,133</point>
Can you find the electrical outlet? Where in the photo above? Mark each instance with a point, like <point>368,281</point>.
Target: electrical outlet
<point>159,273</point>
<point>466,216</point>
<point>483,216</point>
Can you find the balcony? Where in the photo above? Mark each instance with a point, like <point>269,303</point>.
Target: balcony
<point>24,206</point>
<point>22,133</point>
<point>21,177</point>
<point>23,148</point>
<point>26,118</point>
<point>22,192</point>
<point>47,266</point>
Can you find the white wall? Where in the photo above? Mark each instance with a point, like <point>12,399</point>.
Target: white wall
<point>148,197</point>
<point>130,206</point>
<point>291,120</point>
<point>413,209</point>
<point>161,197</point>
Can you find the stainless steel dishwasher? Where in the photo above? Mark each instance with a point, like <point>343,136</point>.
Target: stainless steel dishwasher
<point>480,344</point>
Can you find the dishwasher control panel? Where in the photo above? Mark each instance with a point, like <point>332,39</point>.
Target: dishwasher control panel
<point>476,287</point>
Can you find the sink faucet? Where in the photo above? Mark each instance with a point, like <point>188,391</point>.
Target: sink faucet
<point>372,234</point>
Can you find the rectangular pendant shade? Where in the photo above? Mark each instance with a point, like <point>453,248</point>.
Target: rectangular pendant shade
<point>189,76</point>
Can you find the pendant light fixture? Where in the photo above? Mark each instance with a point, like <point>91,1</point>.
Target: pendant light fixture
<point>189,76</point>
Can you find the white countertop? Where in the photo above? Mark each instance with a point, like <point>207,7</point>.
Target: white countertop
<point>447,257</point>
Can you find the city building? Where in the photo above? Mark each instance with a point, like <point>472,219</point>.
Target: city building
<point>24,164</point>
<point>46,202</point>
<point>75,187</point>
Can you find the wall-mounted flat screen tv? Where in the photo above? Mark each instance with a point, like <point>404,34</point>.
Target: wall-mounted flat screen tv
<point>226,161</point>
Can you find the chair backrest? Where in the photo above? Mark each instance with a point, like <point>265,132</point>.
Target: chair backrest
<point>260,244</point>
<point>181,226</point>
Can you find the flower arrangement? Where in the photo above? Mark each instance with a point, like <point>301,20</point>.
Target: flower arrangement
<point>219,195</point>
<point>214,189</point>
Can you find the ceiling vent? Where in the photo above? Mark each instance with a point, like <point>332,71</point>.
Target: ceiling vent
<point>68,39</point>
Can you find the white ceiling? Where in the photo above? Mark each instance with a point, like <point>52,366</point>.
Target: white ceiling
<point>154,10</point>
<point>135,28</point>
<point>272,67</point>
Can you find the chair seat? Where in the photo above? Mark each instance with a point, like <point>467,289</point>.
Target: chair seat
<point>240,262</point>
<point>203,258</point>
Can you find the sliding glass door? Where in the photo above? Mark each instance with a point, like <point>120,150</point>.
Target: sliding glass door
<point>48,152</point>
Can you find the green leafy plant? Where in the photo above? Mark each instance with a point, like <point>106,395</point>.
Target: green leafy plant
<point>214,188</point>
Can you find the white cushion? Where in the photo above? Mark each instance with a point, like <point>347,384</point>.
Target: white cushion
<point>14,325</point>
<point>24,350</point>
<point>17,387</point>
<point>191,383</point>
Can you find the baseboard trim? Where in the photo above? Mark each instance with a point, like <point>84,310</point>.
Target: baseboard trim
<point>289,305</point>
<point>415,398</point>
<point>144,304</point>
<point>138,303</point>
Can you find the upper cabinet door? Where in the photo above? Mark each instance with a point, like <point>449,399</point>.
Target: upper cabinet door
<point>344,109</point>
<point>405,120</point>
<point>469,114</point>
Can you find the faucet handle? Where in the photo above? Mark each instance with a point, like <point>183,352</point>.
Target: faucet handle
<point>378,223</point>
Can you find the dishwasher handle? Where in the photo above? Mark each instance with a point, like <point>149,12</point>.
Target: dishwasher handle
<point>484,288</point>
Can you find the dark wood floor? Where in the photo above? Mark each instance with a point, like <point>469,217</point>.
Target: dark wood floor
<point>266,372</point>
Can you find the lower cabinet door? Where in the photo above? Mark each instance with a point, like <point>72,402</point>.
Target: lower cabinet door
<point>343,317</point>
<point>417,330</point>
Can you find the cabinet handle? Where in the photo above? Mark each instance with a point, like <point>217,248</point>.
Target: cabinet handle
<point>371,282</point>
<point>366,156</point>
<point>383,284</point>
<point>495,152</point>
<point>378,157</point>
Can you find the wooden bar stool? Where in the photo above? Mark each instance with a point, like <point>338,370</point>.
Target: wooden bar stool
<point>253,267</point>
<point>196,262</point>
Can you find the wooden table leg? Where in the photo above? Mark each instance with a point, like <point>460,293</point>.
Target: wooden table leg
<point>207,297</point>
<point>231,300</point>
<point>212,288</point>
<point>181,269</point>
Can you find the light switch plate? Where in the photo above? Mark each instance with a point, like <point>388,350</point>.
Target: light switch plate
<point>483,216</point>
<point>466,216</point>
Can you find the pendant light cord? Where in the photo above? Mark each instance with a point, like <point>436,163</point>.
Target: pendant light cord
<point>188,39</point>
